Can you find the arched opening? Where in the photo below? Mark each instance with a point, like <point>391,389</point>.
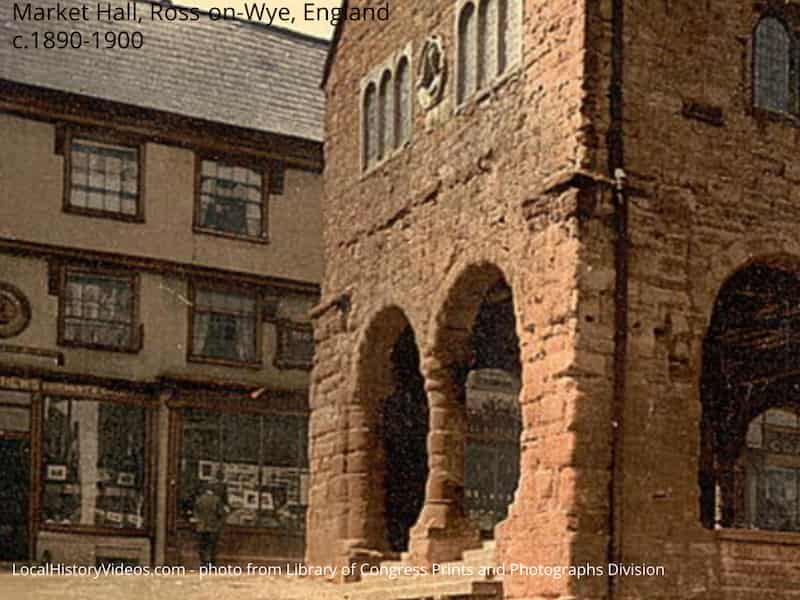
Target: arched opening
<point>388,458</point>
<point>750,390</point>
<point>405,432</point>
<point>476,404</point>
<point>492,450</point>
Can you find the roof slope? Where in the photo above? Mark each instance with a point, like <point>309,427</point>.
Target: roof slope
<point>234,72</point>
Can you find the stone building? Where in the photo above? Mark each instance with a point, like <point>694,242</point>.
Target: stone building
<point>159,253</point>
<point>596,202</point>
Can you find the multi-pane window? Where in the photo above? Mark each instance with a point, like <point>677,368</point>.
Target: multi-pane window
<point>232,199</point>
<point>98,309</point>
<point>225,325</point>
<point>103,178</point>
<point>774,76</point>
<point>386,112</point>
<point>94,458</point>
<point>295,346</point>
<point>489,33</point>
<point>258,463</point>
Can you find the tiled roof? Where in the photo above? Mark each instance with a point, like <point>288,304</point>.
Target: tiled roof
<point>234,72</point>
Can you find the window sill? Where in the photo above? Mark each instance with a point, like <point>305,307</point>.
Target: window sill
<point>765,114</point>
<point>222,362</point>
<point>264,239</point>
<point>756,536</point>
<point>488,90</point>
<point>365,173</point>
<point>103,214</point>
<point>92,530</point>
<point>100,347</point>
<point>247,529</point>
<point>293,365</point>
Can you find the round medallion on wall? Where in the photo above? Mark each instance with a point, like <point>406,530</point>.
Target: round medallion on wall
<point>15,310</point>
<point>431,73</point>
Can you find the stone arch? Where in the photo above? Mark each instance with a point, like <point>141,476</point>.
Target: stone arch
<point>735,257</point>
<point>450,356</point>
<point>386,464</point>
<point>749,366</point>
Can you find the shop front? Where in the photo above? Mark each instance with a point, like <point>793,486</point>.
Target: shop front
<point>15,475</point>
<point>109,475</point>
<point>76,482</point>
<point>253,454</point>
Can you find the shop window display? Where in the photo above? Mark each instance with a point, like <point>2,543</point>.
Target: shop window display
<point>258,463</point>
<point>93,464</point>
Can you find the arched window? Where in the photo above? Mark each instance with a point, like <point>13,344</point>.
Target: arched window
<point>387,108</point>
<point>772,66</point>
<point>488,43</point>
<point>385,118</point>
<point>402,106</point>
<point>488,36</point>
<point>467,52</point>
<point>370,126</point>
<point>770,469</point>
<point>507,26</point>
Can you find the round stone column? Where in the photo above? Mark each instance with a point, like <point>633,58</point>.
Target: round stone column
<point>443,531</point>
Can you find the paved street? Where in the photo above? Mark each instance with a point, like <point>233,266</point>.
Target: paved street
<point>187,587</point>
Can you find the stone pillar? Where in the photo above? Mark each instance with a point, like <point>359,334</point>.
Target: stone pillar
<point>443,530</point>
<point>326,523</point>
<point>364,472</point>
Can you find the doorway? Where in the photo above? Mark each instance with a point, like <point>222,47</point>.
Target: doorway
<point>14,498</point>
<point>405,434</point>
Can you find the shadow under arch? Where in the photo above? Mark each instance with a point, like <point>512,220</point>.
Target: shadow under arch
<point>473,380</point>
<point>388,422</point>
<point>750,366</point>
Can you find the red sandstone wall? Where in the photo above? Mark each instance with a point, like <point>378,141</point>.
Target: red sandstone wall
<point>708,200</point>
<point>474,187</point>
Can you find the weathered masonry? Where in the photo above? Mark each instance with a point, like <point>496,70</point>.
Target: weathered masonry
<point>160,250</point>
<point>571,290</point>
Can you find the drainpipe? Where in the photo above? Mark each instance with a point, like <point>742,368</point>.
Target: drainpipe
<point>616,167</point>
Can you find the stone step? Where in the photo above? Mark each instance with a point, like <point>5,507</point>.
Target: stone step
<point>478,557</point>
<point>486,552</point>
<point>426,588</point>
<point>370,580</point>
<point>455,580</point>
